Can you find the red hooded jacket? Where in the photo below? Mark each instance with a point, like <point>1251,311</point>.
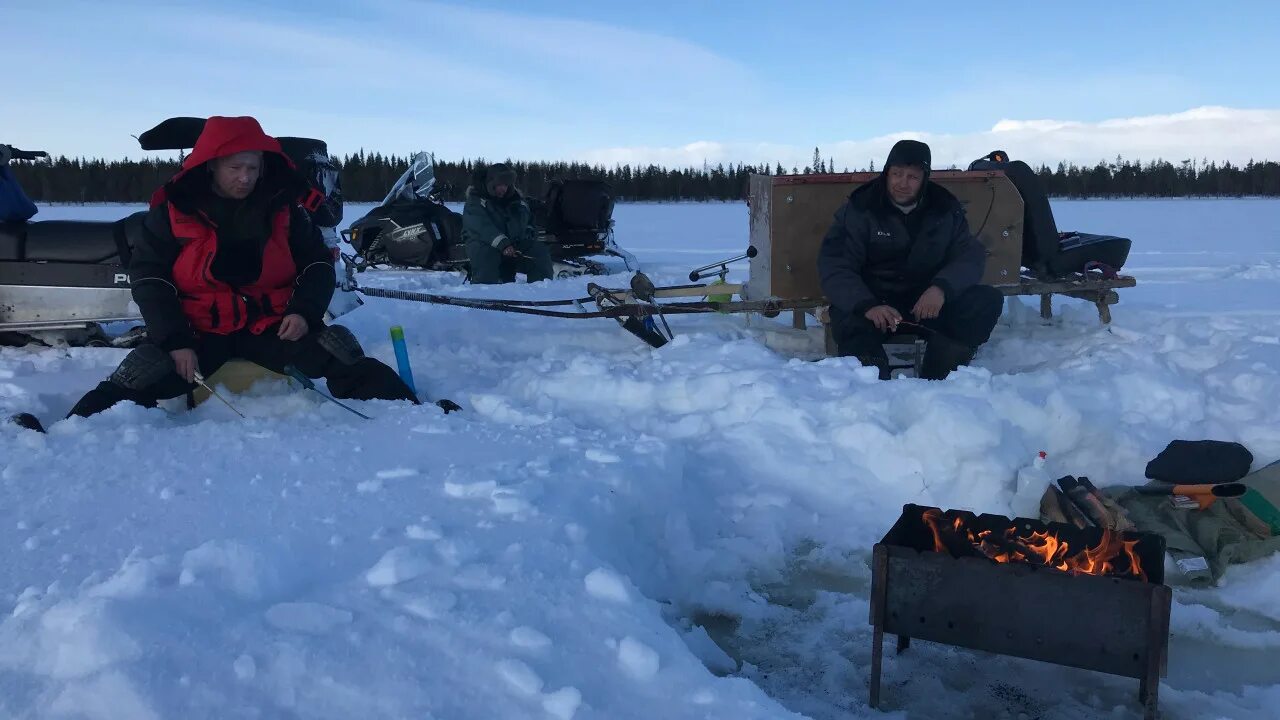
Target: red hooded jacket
<point>211,305</point>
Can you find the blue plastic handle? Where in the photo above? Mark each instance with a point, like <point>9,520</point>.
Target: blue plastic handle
<point>402,357</point>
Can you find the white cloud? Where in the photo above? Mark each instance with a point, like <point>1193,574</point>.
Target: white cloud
<point>1216,133</point>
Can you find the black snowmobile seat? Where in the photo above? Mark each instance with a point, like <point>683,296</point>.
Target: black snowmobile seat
<point>12,236</point>
<point>579,205</point>
<point>176,133</point>
<point>81,241</point>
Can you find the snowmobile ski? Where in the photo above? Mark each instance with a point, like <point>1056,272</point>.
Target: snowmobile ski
<point>634,324</point>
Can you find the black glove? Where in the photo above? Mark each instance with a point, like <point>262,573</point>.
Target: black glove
<point>448,406</point>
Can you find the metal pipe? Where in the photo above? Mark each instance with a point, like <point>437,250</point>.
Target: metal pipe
<point>697,275</point>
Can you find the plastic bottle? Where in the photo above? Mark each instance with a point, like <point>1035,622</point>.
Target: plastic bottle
<point>1031,484</point>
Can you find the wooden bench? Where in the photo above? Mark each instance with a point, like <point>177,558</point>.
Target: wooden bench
<point>1099,290</point>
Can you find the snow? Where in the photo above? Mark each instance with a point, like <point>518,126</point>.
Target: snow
<point>637,660</point>
<point>613,531</point>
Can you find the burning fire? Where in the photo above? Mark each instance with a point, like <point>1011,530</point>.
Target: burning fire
<point>1036,547</point>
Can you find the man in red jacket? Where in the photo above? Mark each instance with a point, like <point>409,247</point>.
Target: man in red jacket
<point>230,266</point>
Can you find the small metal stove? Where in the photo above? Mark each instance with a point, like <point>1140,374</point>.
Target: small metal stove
<point>1115,623</point>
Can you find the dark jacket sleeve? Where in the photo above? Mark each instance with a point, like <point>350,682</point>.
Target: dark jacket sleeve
<point>151,280</point>
<point>316,277</point>
<point>966,259</point>
<point>479,225</point>
<point>840,262</point>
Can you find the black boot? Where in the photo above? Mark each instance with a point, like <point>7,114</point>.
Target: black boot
<point>942,355</point>
<point>28,421</point>
<point>367,379</point>
<point>102,397</point>
<point>881,362</point>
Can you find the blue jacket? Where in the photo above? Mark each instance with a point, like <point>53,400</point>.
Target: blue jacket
<point>15,206</point>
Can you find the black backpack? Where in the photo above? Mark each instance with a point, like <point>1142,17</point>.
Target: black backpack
<point>1039,231</point>
<point>321,173</point>
<point>577,206</point>
<point>1046,251</point>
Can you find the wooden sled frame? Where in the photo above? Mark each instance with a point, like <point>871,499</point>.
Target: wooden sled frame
<point>1094,287</point>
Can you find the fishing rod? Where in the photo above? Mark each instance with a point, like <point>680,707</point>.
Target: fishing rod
<point>298,375</point>
<point>201,381</point>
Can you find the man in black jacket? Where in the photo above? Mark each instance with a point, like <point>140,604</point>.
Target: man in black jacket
<point>230,266</point>
<point>901,247</point>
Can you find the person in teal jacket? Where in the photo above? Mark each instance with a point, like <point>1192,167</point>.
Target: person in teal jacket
<point>497,226</point>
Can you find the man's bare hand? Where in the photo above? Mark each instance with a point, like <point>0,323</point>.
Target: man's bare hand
<point>293,327</point>
<point>509,251</point>
<point>185,363</point>
<point>929,304</point>
<point>884,317</point>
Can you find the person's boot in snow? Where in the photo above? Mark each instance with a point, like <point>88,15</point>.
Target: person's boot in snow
<point>27,421</point>
<point>942,355</point>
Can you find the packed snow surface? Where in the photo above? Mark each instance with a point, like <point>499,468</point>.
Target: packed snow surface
<point>612,531</point>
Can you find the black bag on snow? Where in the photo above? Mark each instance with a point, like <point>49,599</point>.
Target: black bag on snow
<point>1191,462</point>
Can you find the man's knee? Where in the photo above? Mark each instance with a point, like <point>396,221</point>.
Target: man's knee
<point>145,366</point>
<point>855,336</point>
<point>846,325</point>
<point>974,315</point>
<point>539,265</point>
<point>341,343</point>
<point>486,264</point>
<point>982,300</point>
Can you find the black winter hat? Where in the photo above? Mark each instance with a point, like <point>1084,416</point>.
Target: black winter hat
<point>909,152</point>
<point>500,174</point>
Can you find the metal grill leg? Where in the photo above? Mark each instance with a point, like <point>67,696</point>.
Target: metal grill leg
<point>904,642</point>
<point>1157,648</point>
<point>879,590</point>
<point>1046,306</point>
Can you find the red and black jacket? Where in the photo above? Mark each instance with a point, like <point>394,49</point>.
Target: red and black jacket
<point>174,285</point>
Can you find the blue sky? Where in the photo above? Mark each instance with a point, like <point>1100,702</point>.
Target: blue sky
<point>670,82</point>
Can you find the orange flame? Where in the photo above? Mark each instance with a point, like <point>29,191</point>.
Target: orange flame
<point>1040,548</point>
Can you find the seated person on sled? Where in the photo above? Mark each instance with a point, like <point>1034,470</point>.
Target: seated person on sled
<point>230,266</point>
<point>901,247</point>
<point>497,226</point>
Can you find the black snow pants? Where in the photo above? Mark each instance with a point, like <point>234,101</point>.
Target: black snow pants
<point>964,323</point>
<point>147,374</point>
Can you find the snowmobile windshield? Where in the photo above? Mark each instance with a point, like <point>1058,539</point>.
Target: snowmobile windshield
<point>417,182</point>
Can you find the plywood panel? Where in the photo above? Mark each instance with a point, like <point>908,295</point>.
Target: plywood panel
<point>801,208</point>
<point>759,206</point>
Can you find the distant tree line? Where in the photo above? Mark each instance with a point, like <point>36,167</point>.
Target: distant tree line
<point>367,177</point>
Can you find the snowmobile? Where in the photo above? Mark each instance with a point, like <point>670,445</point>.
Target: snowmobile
<point>412,226</point>
<point>61,280</point>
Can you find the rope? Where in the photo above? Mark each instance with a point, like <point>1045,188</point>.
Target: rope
<point>615,311</point>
